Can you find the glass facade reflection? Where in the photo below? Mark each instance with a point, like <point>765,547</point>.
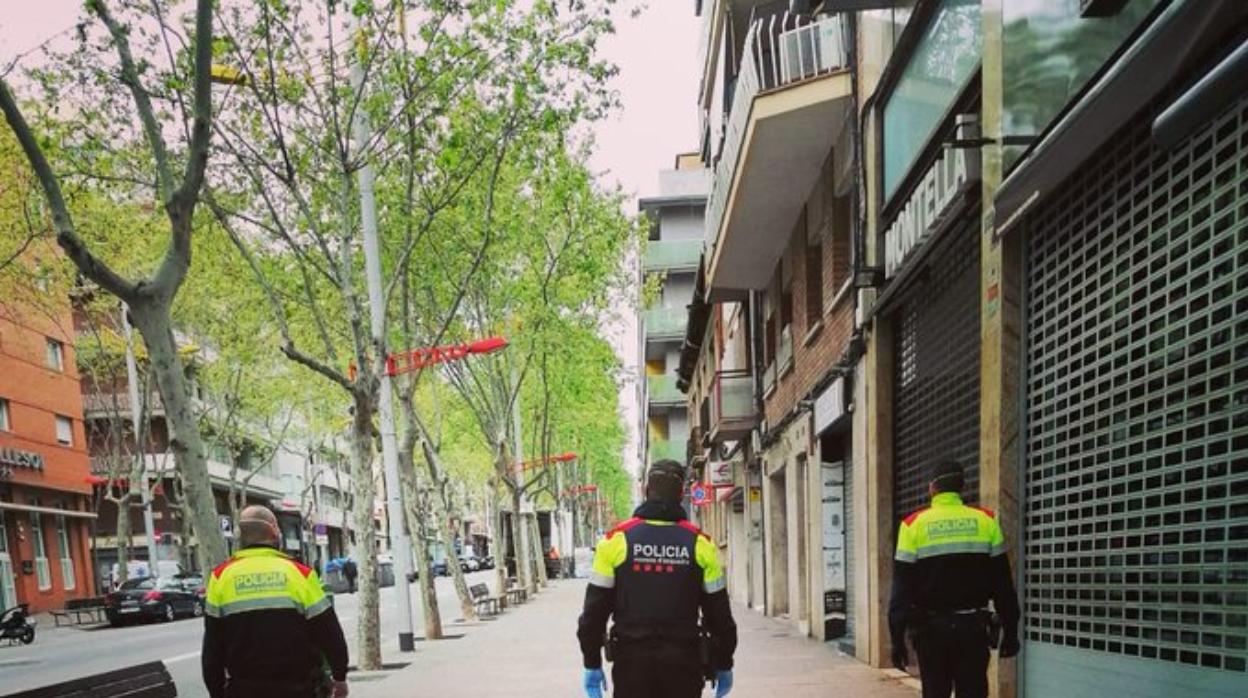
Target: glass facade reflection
<point>1050,53</point>
<point>943,61</point>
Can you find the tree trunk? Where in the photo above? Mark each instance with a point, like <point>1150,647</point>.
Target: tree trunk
<point>123,539</point>
<point>416,516</point>
<point>520,536</point>
<point>151,317</point>
<point>442,513</point>
<point>500,549</point>
<point>368,630</point>
<point>539,555</point>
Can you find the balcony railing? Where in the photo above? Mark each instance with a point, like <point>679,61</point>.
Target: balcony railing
<point>779,50</point>
<point>666,324</point>
<point>662,390</point>
<point>672,255</point>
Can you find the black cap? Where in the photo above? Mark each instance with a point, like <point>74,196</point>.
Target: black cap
<point>667,467</point>
<point>947,475</point>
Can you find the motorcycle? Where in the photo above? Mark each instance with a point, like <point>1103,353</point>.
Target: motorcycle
<point>17,626</point>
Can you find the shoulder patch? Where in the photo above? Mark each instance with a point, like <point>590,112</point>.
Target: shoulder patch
<point>216,571</point>
<point>914,515</point>
<point>629,524</point>
<point>690,527</point>
<point>303,569</point>
<point>991,514</point>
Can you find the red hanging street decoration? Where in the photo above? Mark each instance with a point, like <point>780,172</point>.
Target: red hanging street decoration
<point>561,458</point>
<point>416,359</point>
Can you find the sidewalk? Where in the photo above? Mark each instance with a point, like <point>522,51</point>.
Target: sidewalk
<point>531,651</point>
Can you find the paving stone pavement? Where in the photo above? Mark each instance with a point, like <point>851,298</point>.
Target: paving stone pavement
<point>530,651</point>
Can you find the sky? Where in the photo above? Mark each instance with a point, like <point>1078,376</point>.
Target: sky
<point>657,82</point>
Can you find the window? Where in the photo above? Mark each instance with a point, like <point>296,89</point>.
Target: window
<point>4,415</point>
<point>67,555</point>
<point>56,355</point>
<point>814,267</point>
<point>942,63</point>
<point>42,571</point>
<point>64,430</point>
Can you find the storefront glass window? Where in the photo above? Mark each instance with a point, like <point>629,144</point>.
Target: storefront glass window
<point>1050,53</point>
<point>939,68</point>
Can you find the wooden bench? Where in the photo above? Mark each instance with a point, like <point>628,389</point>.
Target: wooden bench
<point>517,595</point>
<point>482,600</point>
<point>149,680</point>
<point>77,609</point>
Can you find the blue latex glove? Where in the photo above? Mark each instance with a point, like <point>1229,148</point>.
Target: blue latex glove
<point>722,683</point>
<point>595,683</point>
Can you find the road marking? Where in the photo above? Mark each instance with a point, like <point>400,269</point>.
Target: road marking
<point>181,657</point>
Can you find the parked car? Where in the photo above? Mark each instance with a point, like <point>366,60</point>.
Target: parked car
<point>486,562</point>
<point>440,569</point>
<point>469,564</point>
<point>162,598</point>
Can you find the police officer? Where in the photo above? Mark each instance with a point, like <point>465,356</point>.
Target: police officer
<point>654,573</point>
<point>269,629</point>
<point>950,563</point>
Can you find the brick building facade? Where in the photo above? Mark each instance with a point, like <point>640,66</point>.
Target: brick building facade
<point>45,513</point>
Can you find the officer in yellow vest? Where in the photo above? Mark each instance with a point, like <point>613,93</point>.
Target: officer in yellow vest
<point>269,629</point>
<point>950,563</point>
<point>655,574</point>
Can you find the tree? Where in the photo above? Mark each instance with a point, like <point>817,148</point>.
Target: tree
<point>446,95</point>
<point>150,297</point>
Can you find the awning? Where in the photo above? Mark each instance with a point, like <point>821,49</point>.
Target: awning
<point>48,510</point>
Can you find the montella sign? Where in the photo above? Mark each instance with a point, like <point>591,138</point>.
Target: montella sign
<point>930,206</point>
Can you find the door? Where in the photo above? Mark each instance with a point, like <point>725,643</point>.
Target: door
<point>1136,528</point>
<point>8,589</point>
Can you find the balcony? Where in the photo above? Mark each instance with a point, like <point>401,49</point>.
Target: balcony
<point>666,324</point>
<point>259,484</point>
<point>731,403</point>
<point>662,392</point>
<point>791,102</point>
<point>666,449</point>
<point>672,256</point>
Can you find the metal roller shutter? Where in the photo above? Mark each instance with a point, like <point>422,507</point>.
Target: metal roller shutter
<point>1136,525</point>
<point>936,371</point>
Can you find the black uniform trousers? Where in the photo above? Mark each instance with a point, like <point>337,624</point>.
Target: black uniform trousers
<point>657,668</point>
<point>953,656</point>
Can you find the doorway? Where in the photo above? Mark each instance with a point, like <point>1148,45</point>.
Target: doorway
<point>778,522</point>
<point>8,589</point>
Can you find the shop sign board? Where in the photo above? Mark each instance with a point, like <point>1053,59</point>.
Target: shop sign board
<point>932,204</point>
<point>830,405</point>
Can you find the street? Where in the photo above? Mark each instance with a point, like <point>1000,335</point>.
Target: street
<point>61,654</point>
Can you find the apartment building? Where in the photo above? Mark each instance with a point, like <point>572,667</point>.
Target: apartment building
<point>1027,225</point>
<point>668,268</point>
<point>45,512</point>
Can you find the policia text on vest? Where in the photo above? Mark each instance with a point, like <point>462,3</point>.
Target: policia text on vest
<point>655,574</point>
<point>270,631</point>
<point>950,563</point>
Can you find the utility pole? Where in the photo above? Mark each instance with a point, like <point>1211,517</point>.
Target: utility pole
<point>400,546</point>
<point>132,378</point>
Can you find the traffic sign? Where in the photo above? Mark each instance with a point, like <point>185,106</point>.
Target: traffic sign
<point>700,494</point>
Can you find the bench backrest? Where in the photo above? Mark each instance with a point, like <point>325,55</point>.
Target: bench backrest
<point>149,680</point>
<point>479,591</point>
<point>76,604</point>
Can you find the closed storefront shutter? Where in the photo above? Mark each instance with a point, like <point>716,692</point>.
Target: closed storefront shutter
<point>1136,528</point>
<point>936,370</point>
